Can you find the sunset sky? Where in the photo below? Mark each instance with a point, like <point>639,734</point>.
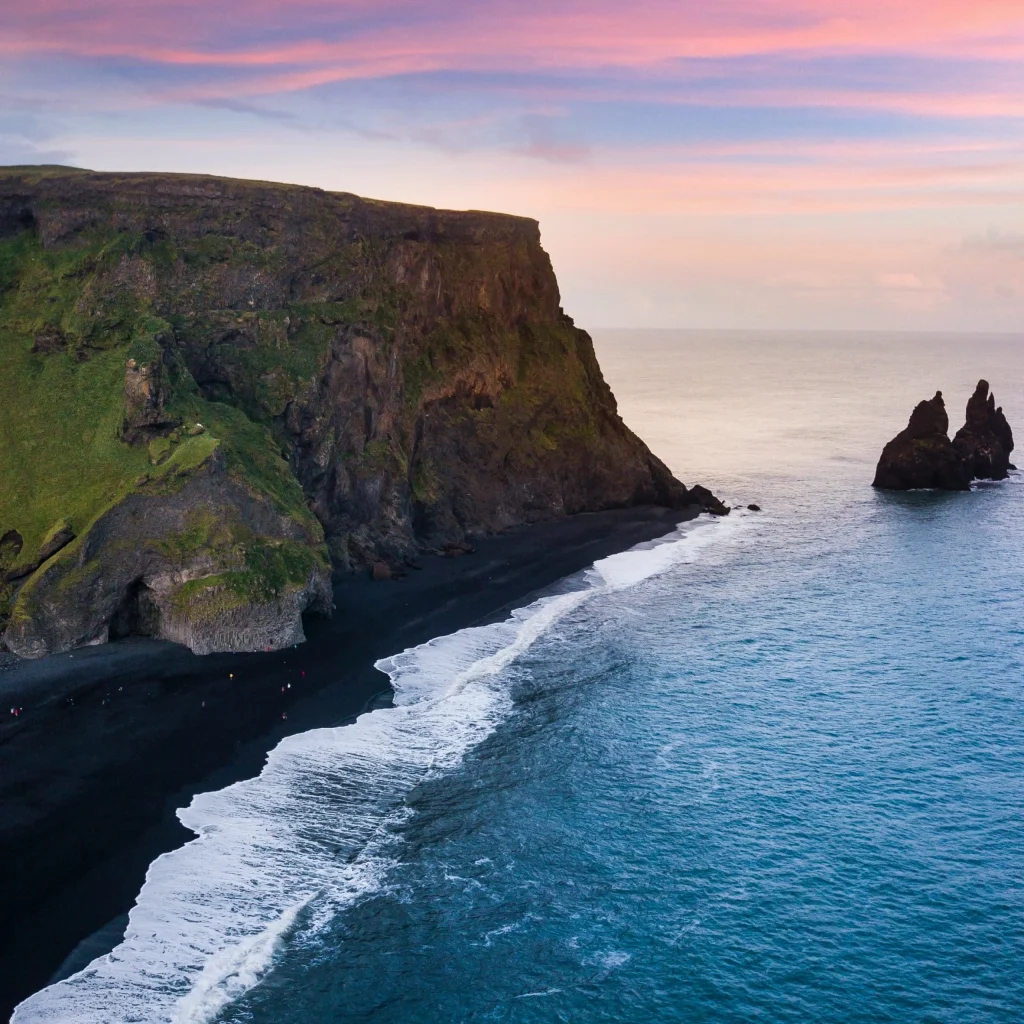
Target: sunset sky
<point>740,163</point>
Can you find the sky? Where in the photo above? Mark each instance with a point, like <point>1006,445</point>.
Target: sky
<point>696,163</point>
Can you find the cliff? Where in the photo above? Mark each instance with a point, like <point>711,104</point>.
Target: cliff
<point>213,390</point>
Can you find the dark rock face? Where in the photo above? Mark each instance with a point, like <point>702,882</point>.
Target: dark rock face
<point>921,455</point>
<point>136,572</point>
<point>410,371</point>
<point>985,441</point>
<point>60,538</point>
<point>146,390</point>
<point>699,495</point>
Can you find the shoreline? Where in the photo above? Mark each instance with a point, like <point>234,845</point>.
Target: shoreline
<point>113,739</point>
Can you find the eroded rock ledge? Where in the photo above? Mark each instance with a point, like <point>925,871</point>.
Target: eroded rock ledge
<point>922,455</point>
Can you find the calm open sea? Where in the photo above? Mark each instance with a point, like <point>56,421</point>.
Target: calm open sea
<point>769,769</point>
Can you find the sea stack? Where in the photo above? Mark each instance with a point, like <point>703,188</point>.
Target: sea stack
<point>922,455</point>
<point>985,441</point>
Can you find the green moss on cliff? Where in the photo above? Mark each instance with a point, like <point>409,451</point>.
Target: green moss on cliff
<point>70,317</point>
<point>61,456</point>
<point>425,485</point>
<point>269,359</point>
<point>419,375</point>
<point>210,597</point>
<point>186,458</point>
<point>208,250</point>
<point>255,459</point>
<point>94,295</point>
<point>270,571</point>
<point>273,568</point>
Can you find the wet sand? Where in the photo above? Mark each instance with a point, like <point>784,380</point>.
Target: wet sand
<point>112,739</point>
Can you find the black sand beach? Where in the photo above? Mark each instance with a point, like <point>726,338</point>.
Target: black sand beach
<point>112,739</point>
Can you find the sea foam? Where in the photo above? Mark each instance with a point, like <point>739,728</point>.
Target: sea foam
<point>315,831</point>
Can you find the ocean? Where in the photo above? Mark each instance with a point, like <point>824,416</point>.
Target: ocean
<point>769,768</point>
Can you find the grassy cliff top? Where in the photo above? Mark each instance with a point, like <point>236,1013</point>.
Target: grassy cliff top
<point>36,172</point>
<point>131,183</point>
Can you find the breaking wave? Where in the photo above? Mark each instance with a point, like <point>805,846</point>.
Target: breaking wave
<point>282,853</point>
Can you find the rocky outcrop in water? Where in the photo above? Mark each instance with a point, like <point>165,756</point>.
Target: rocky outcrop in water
<point>215,391</point>
<point>985,441</point>
<point>922,455</point>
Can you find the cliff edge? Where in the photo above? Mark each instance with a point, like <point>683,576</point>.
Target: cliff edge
<point>215,391</point>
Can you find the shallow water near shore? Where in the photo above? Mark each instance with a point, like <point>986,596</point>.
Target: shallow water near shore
<point>769,768</point>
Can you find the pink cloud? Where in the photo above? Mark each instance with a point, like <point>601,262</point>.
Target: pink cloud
<point>346,39</point>
<point>231,51</point>
<point>817,180</point>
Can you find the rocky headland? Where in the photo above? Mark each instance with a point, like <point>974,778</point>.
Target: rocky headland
<point>216,393</point>
<point>923,456</point>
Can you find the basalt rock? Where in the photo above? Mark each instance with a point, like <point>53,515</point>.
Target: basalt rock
<point>702,496</point>
<point>178,564</point>
<point>985,441</point>
<point>146,392</point>
<point>922,455</point>
<point>282,378</point>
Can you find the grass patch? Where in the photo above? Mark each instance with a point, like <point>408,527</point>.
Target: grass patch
<point>159,448</point>
<point>61,456</point>
<point>89,296</point>
<point>61,452</point>
<point>68,319</point>
<point>272,569</point>
<point>272,357</point>
<point>254,459</point>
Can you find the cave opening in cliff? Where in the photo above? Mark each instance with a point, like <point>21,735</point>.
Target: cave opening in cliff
<point>137,615</point>
<point>11,544</point>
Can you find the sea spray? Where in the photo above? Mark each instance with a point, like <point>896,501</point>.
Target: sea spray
<point>315,831</point>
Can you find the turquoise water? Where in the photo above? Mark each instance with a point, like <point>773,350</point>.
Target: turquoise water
<point>771,769</point>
